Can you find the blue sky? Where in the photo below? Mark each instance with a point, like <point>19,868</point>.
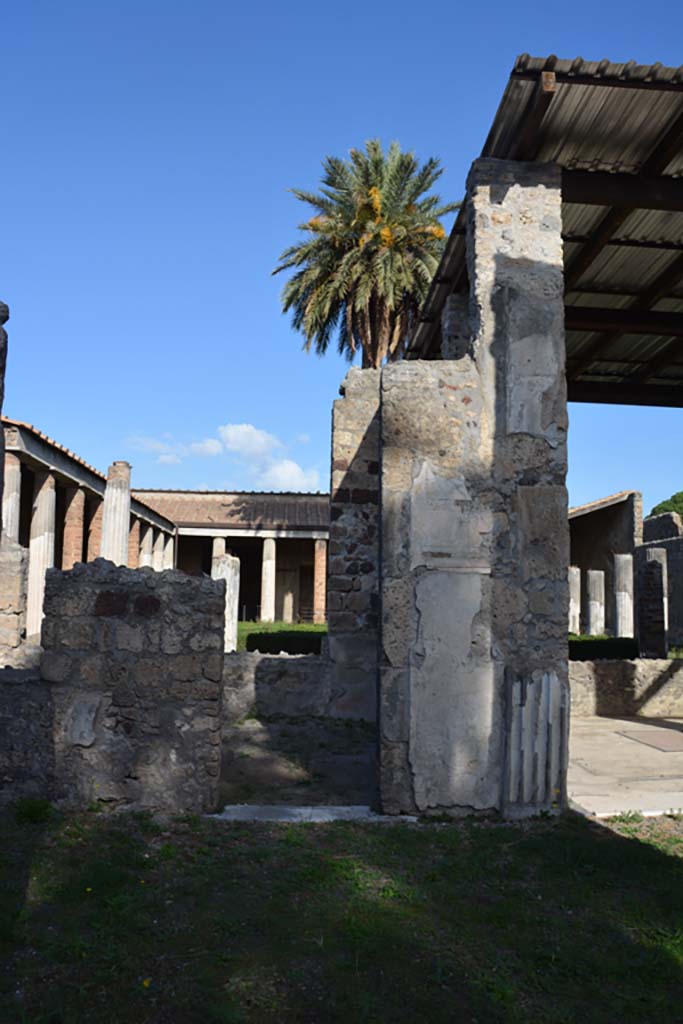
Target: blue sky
<point>147,151</point>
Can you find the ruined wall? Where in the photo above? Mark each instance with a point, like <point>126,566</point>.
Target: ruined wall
<point>135,659</point>
<point>276,684</point>
<point>475,545</point>
<point>352,585</point>
<point>646,686</point>
<point>673,545</point>
<point>13,580</point>
<point>596,537</point>
<point>661,527</point>
<point>26,747</point>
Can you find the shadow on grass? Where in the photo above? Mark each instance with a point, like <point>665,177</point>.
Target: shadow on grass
<point>474,922</point>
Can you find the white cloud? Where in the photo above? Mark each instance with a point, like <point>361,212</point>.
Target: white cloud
<point>169,459</point>
<point>149,444</point>
<point>303,438</point>
<point>287,475</point>
<point>248,441</point>
<point>209,446</point>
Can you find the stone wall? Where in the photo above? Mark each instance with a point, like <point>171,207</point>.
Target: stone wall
<point>26,746</point>
<point>474,526</point>
<point>647,686</point>
<point>674,556</point>
<point>135,659</point>
<point>661,527</point>
<point>352,586</point>
<point>284,684</point>
<point>13,578</point>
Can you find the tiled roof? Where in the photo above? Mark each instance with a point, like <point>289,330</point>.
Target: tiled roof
<point>20,425</point>
<point>54,444</point>
<point>594,506</point>
<point>241,509</point>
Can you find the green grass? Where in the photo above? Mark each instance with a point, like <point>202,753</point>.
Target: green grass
<point>117,919</point>
<point>245,629</point>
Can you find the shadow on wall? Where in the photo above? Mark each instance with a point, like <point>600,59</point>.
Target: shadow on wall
<point>617,688</point>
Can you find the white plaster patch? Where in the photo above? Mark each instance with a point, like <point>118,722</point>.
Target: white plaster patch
<point>446,525</point>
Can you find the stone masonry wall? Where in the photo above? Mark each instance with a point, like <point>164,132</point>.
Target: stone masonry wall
<point>276,684</point>
<point>13,577</point>
<point>135,663</point>
<point>475,541</point>
<point>352,585</point>
<point>674,556</point>
<point>652,687</point>
<point>26,747</point>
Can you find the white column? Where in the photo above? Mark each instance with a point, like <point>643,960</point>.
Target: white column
<point>268,581</point>
<point>146,543</point>
<point>168,561</point>
<point>596,602</point>
<point>574,599</point>
<point>158,551</point>
<point>217,552</point>
<point>11,498</point>
<point>623,595</point>
<point>116,515</point>
<point>41,548</point>
<point>227,568</point>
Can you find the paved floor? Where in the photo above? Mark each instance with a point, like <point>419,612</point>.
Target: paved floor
<point>288,813</point>
<point>626,764</point>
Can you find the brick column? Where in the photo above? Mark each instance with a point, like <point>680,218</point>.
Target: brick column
<point>11,498</point>
<point>41,548</point>
<point>146,545</point>
<point>4,317</point>
<point>74,527</point>
<point>95,530</point>
<point>319,579</point>
<point>134,543</point>
<point>116,518</point>
<point>268,569</point>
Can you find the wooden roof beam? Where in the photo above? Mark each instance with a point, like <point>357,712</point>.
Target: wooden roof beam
<point>632,191</point>
<point>608,393</point>
<point>623,321</point>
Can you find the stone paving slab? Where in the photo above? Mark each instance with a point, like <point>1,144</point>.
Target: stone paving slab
<point>290,814</point>
<point>611,774</point>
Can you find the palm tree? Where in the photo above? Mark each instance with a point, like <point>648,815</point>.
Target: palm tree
<point>369,255</point>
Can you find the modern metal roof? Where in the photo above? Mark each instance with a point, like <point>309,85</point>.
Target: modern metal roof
<point>616,130</point>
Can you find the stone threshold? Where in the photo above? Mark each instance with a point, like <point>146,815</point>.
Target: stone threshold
<point>310,815</point>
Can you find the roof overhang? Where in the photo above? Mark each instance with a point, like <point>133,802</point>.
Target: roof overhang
<point>616,132</point>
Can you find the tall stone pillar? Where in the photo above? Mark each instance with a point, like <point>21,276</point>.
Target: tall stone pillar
<point>652,592</point>
<point>134,543</point>
<point>227,567</point>
<point>158,551</point>
<point>116,517</point>
<point>74,527</point>
<point>268,580</point>
<point>11,498</point>
<point>146,545</point>
<point>574,599</point>
<point>319,580</point>
<point>595,590</point>
<point>41,548</point>
<point>623,595</point>
<point>475,543</point>
<point>353,566</point>
<point>4,317</point>
<point>169,548</point>
<point>217,552</point>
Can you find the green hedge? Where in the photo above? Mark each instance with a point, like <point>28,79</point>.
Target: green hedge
<point>286,642</point>
<point>589,648</point>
